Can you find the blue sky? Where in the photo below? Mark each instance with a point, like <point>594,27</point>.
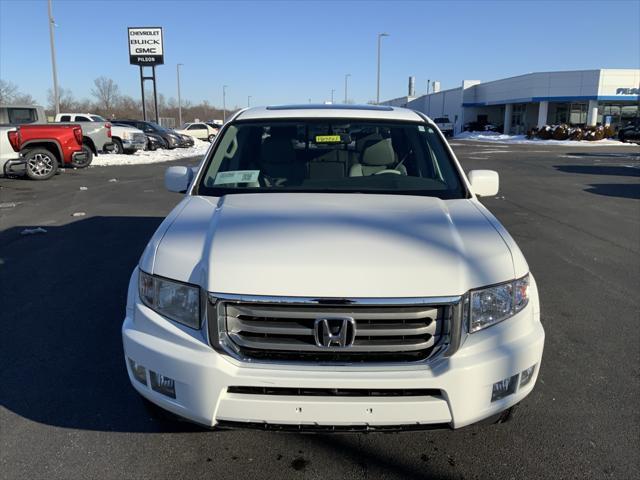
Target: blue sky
<point>285,52</point>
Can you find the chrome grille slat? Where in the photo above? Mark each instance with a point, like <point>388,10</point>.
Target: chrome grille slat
<point>378,313</point>
<point>282,331</point>
<point>289,344</point>
<point>235,325</point>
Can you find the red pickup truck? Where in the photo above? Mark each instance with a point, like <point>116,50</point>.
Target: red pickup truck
<point>44,148</point>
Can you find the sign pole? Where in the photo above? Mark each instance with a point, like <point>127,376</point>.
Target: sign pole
<point>155,95</point>
<point>144,107</point>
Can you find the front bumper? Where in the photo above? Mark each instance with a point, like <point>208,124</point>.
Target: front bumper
<point>462,382</point>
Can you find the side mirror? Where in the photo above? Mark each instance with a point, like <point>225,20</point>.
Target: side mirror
<point>484,183</point>
<point>177,179</point>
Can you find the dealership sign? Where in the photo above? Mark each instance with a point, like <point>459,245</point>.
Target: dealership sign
<point>628,91</point>
<point>145,46</point>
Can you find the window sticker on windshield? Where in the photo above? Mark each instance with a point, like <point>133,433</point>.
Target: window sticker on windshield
<point>328,138</point>
<point>237,176</point>
<point>421,128</point>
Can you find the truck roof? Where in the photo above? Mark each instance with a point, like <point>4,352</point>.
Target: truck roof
<point>373,112</point>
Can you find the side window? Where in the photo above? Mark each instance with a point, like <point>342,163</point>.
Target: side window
<point>21,115</point>
<point>192,127</point>
<point>197,126</point>
<point>65,118</point>
<point>80,118</point>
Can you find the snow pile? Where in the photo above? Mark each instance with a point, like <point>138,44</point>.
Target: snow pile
<point>521,139</point>
<point>141,156</point>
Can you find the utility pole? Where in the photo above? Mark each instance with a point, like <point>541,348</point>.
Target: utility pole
<point>380,35</point>
<point>346,78</point>
<point>224,103</point>
<point>179,100</point>
<point>332,91</point>
<point>249,100</point>
<point>56,96</point>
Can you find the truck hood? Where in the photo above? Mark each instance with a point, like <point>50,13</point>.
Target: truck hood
<point>118,130</point>
<point>332,245</point>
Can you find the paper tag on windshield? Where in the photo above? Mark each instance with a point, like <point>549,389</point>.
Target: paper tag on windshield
<point>237,176</point>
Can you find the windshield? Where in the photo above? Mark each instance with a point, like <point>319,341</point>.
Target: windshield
<point>331,156</point>
<point>98,118</point>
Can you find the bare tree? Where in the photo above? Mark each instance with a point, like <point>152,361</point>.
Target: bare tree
<point>24,99</point>
<point>8,92</point>
<point>67,102</point>
<point>106,93</point>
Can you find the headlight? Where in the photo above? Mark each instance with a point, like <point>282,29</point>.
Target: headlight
<point>126,135</point>
<point>178,301</point>
<point>491,305</point>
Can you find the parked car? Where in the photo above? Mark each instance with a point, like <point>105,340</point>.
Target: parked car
<point>445,125</point>
<point>39,149</point>
<point>186,141</point>
<point>199,130</point>
<point>332,268</point>
<point>96,136</point>
<point>125,139</point>
<point>631,132</point>
<point>165,138</point>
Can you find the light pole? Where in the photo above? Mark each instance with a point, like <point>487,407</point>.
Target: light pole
<point>380,35</point>
<point>332,91</point>
<point>224,103</point>
<point>346,78</point>
<point>249,97</point>
<point>179,100</point>
<point>56,96</point>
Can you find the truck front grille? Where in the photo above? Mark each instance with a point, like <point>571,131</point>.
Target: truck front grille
<point>139,138</point>
<point>294,332</point>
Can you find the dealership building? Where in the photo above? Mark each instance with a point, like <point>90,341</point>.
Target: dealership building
<point>583,97</point>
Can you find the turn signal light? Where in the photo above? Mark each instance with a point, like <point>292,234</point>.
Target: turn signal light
<point>77,132</point>
<point>527,375</point>
<point>14,140</point>
<point>138,371</point>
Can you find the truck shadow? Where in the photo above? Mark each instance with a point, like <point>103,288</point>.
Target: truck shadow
<point>64,294</point>
<point>618,170</point>
<point>622,190</point>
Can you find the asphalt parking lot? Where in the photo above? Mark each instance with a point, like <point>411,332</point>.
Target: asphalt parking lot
<point>67,410</point>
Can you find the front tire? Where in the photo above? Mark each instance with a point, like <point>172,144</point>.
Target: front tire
<point>41,164</point>
<point>211,138</point>
<point>621,137</point>
<point>118,149</point>
<point>88,159</point>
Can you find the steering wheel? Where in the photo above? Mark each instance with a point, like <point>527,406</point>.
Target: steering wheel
<point>382,172</point>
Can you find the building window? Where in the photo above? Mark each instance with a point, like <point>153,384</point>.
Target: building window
<point>578,114</point>
<point>518,117</point>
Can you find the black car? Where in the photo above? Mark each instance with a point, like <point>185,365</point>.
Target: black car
<point>185,141</point>
<point>631,132</point>
<point>158,136</point>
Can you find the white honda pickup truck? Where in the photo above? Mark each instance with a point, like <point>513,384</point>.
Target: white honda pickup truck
<point>330,268</point>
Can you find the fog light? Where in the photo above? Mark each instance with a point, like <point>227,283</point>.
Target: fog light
<point>162,384</point>
<point>527,375</point>
<point>139,372</point>
<point>503,388</point>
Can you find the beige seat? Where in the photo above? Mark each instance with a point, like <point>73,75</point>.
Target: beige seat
<point>377,156</point>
